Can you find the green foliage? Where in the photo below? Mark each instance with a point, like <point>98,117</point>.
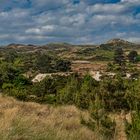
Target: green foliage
<point>119,57</point>
<point>10,56</point>
<point>46,63</point>
<point>87,92</point>
<point>7,86</point>
<point>43,63</point>
<point>63,65</point>
<point>138,58</point>
<point>21,81</point>
<point>18,93</point>
<point>99,122</point>
<point>117,93</point>
<point>69,92</point>
<point>110,67</point>
<point>35,61</point>
<point>110,94</point>
<point>97,53</point>
<point>132,56</point>
<point>133,128</point>
<point>113,92</point>
<point>133,94</point>
<point>7,73</point>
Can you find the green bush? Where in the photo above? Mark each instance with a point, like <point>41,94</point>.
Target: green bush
<point>133,129</point>
<point>99,122</point>
<point>20,94</point>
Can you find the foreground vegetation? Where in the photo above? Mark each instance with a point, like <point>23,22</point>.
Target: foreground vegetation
<point>97,100</point>
<point>31,121</point>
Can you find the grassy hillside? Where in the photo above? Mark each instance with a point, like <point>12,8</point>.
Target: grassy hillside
<point>31,121</point>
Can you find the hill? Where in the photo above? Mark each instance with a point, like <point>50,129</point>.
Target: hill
<point>111,42</point>
<point>119,41</point>
<point>31,121</point>
<point>116,42</point>
<point>95,54</point>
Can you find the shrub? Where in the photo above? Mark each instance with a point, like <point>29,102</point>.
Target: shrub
<point>133,129</point>
<point>99,122</point>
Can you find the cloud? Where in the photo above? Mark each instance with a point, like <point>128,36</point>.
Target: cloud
<point>43,21</point>
<point>131,1</point>
<point>134,39</point>
<point>107,8</point>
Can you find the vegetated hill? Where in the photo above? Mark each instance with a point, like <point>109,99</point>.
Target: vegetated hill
<point>31,121</point>
<point>103,52</point>
<point>114,43</point>
<point>20,46</point>
<point>119,41</point>
<point>52,46</point>
<point>57,45</point>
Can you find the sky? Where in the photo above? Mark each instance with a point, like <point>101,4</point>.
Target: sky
<point>71,21</point>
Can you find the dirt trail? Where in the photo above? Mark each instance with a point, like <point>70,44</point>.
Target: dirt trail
<point>120,125</point>
<point>120,128</point>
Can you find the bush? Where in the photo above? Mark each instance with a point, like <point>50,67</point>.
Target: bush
<point>99,122</point>
<point>62,65</point>
<point>20,94</point>
<point>133,129</point>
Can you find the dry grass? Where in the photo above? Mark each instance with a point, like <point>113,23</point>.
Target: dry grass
<point>31,121</point>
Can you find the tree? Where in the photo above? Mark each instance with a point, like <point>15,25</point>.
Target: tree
<point>45,87</point>
<point>132,56</point>
<point>7,73</point>
<point>10,56</point>
<point>99,122</point>
<point>68,94</point>
<point>43,63</point>
<point>133,128</point>
<point>63,65</point>
<point>86,93</point>
<point>21,81</point>
<point>119,57</point>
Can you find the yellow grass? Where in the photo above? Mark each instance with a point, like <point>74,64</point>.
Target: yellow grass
<point>31,121</point>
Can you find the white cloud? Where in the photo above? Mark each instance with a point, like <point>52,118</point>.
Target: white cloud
<point>4,36</point>
<point>48,28</point>
<point>50,20</point>
<point>107,8</point>
<point>134,39</point>
<point>33,30</point>
<point>121,34</point>
<point>131,1</point>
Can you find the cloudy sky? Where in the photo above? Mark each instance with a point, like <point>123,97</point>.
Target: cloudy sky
<point>72,21</point>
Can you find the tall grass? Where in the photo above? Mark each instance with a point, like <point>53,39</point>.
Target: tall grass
<point>31,121</point>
